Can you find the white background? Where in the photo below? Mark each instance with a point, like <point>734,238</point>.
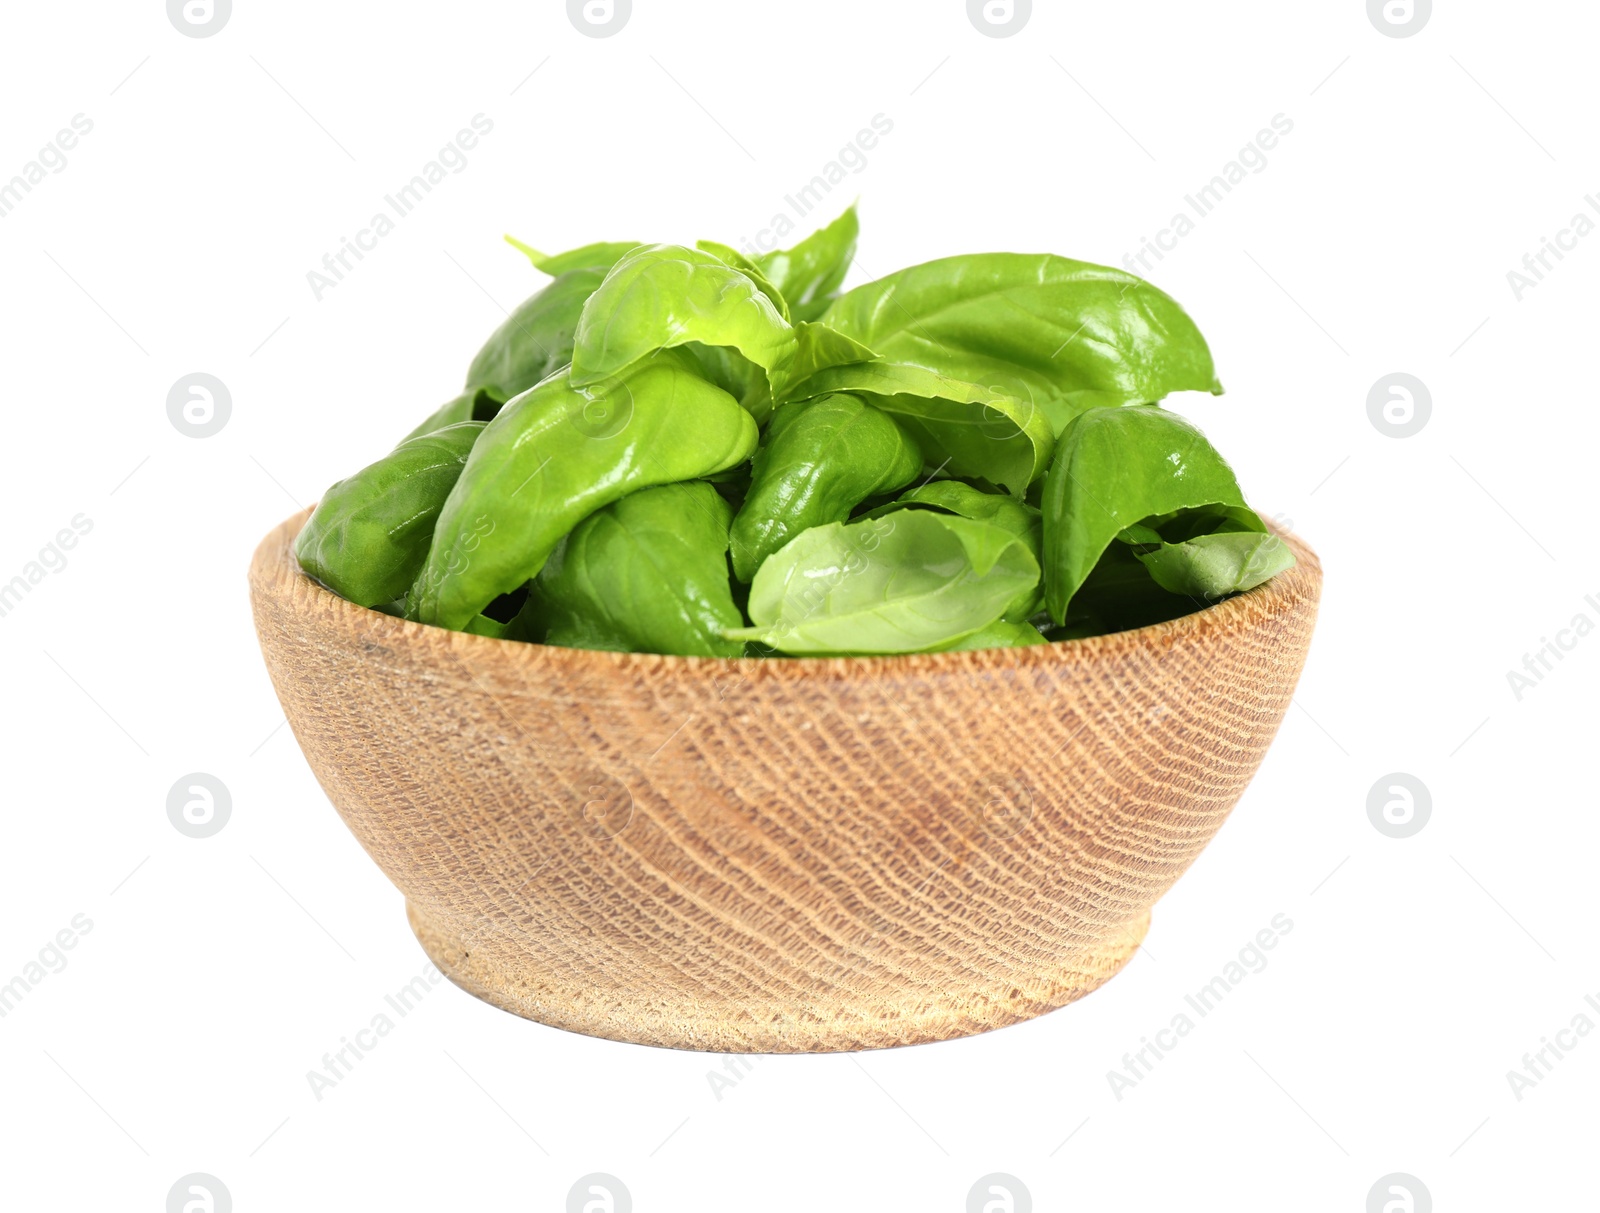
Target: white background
<point>1378,238</point>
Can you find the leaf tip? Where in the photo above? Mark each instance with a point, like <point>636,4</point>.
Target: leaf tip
<point>527,250</point>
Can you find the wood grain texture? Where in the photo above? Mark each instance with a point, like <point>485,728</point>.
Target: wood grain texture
<point>784,855</point>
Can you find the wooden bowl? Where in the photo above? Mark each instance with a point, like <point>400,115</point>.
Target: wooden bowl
<point>783,855</point>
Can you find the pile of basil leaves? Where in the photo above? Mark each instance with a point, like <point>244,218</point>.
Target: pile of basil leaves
<point>690,451</point>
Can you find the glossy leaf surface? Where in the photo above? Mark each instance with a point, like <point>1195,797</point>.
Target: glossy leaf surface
<point>1062,335</point>
<point>1216,565</point>
<point>536,340</point>
<point>556,454</point>
<point>370,533</point>
<point>963,428</point>
<point>817,462</point>
<point>812,270</point>
<point>1115,468</point>
<point>911,581</point>
<point>646,574</point>
<point>664,295</point>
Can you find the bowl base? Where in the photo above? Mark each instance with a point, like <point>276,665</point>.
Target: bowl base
<point>833,1022</point>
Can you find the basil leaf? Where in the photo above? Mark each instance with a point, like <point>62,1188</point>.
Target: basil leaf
<point>556,454</point>
<point>536,340</point>
<point>817,462</point>
<point>1115,468</point>
<point>817,348</point>
<point>646,574</point>
<point>997,509</point>
<point>482,625</point>
<point>911,581</point>
<point>1000,635</point>
<point>1063,335</point>
<point>1213,566</point>
<point>733,257</point>
<point>469,406</point>
<point>664,295</point>
<point>1178,526</point>
<point>1118,596</point>
<point>599,256</point>
<point>963,428</point>
<point>735,374</point>
<point>812,270</point>
<point>370,533</point>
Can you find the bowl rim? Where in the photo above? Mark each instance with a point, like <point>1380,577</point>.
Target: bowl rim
<point>275,571</point>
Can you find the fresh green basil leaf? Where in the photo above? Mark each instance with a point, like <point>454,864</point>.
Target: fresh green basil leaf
<point>482,625</point>
<point>911,581</point>
<point>1064,335</point>
<point>997,509</point>
<point>1003,634</point>
<point>646,574</point>
<point>964,428</point>
<point>1139,532</point>
<point>665,295</point>
<point>469,406</point>
<point>812,270</point>
<point>556,454</point>
<point>958,497</point>
<point>1118,596</point>
<point>735,374</point>
<point>817,348</point>
<point>599,256</point>
<point>748,268</point>
<point>1114,468</point>
<point>1214,566</point>
<point>536,340</point>
<point>370,533</point>
<point>817,462</point>
<point>1178,526</point>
